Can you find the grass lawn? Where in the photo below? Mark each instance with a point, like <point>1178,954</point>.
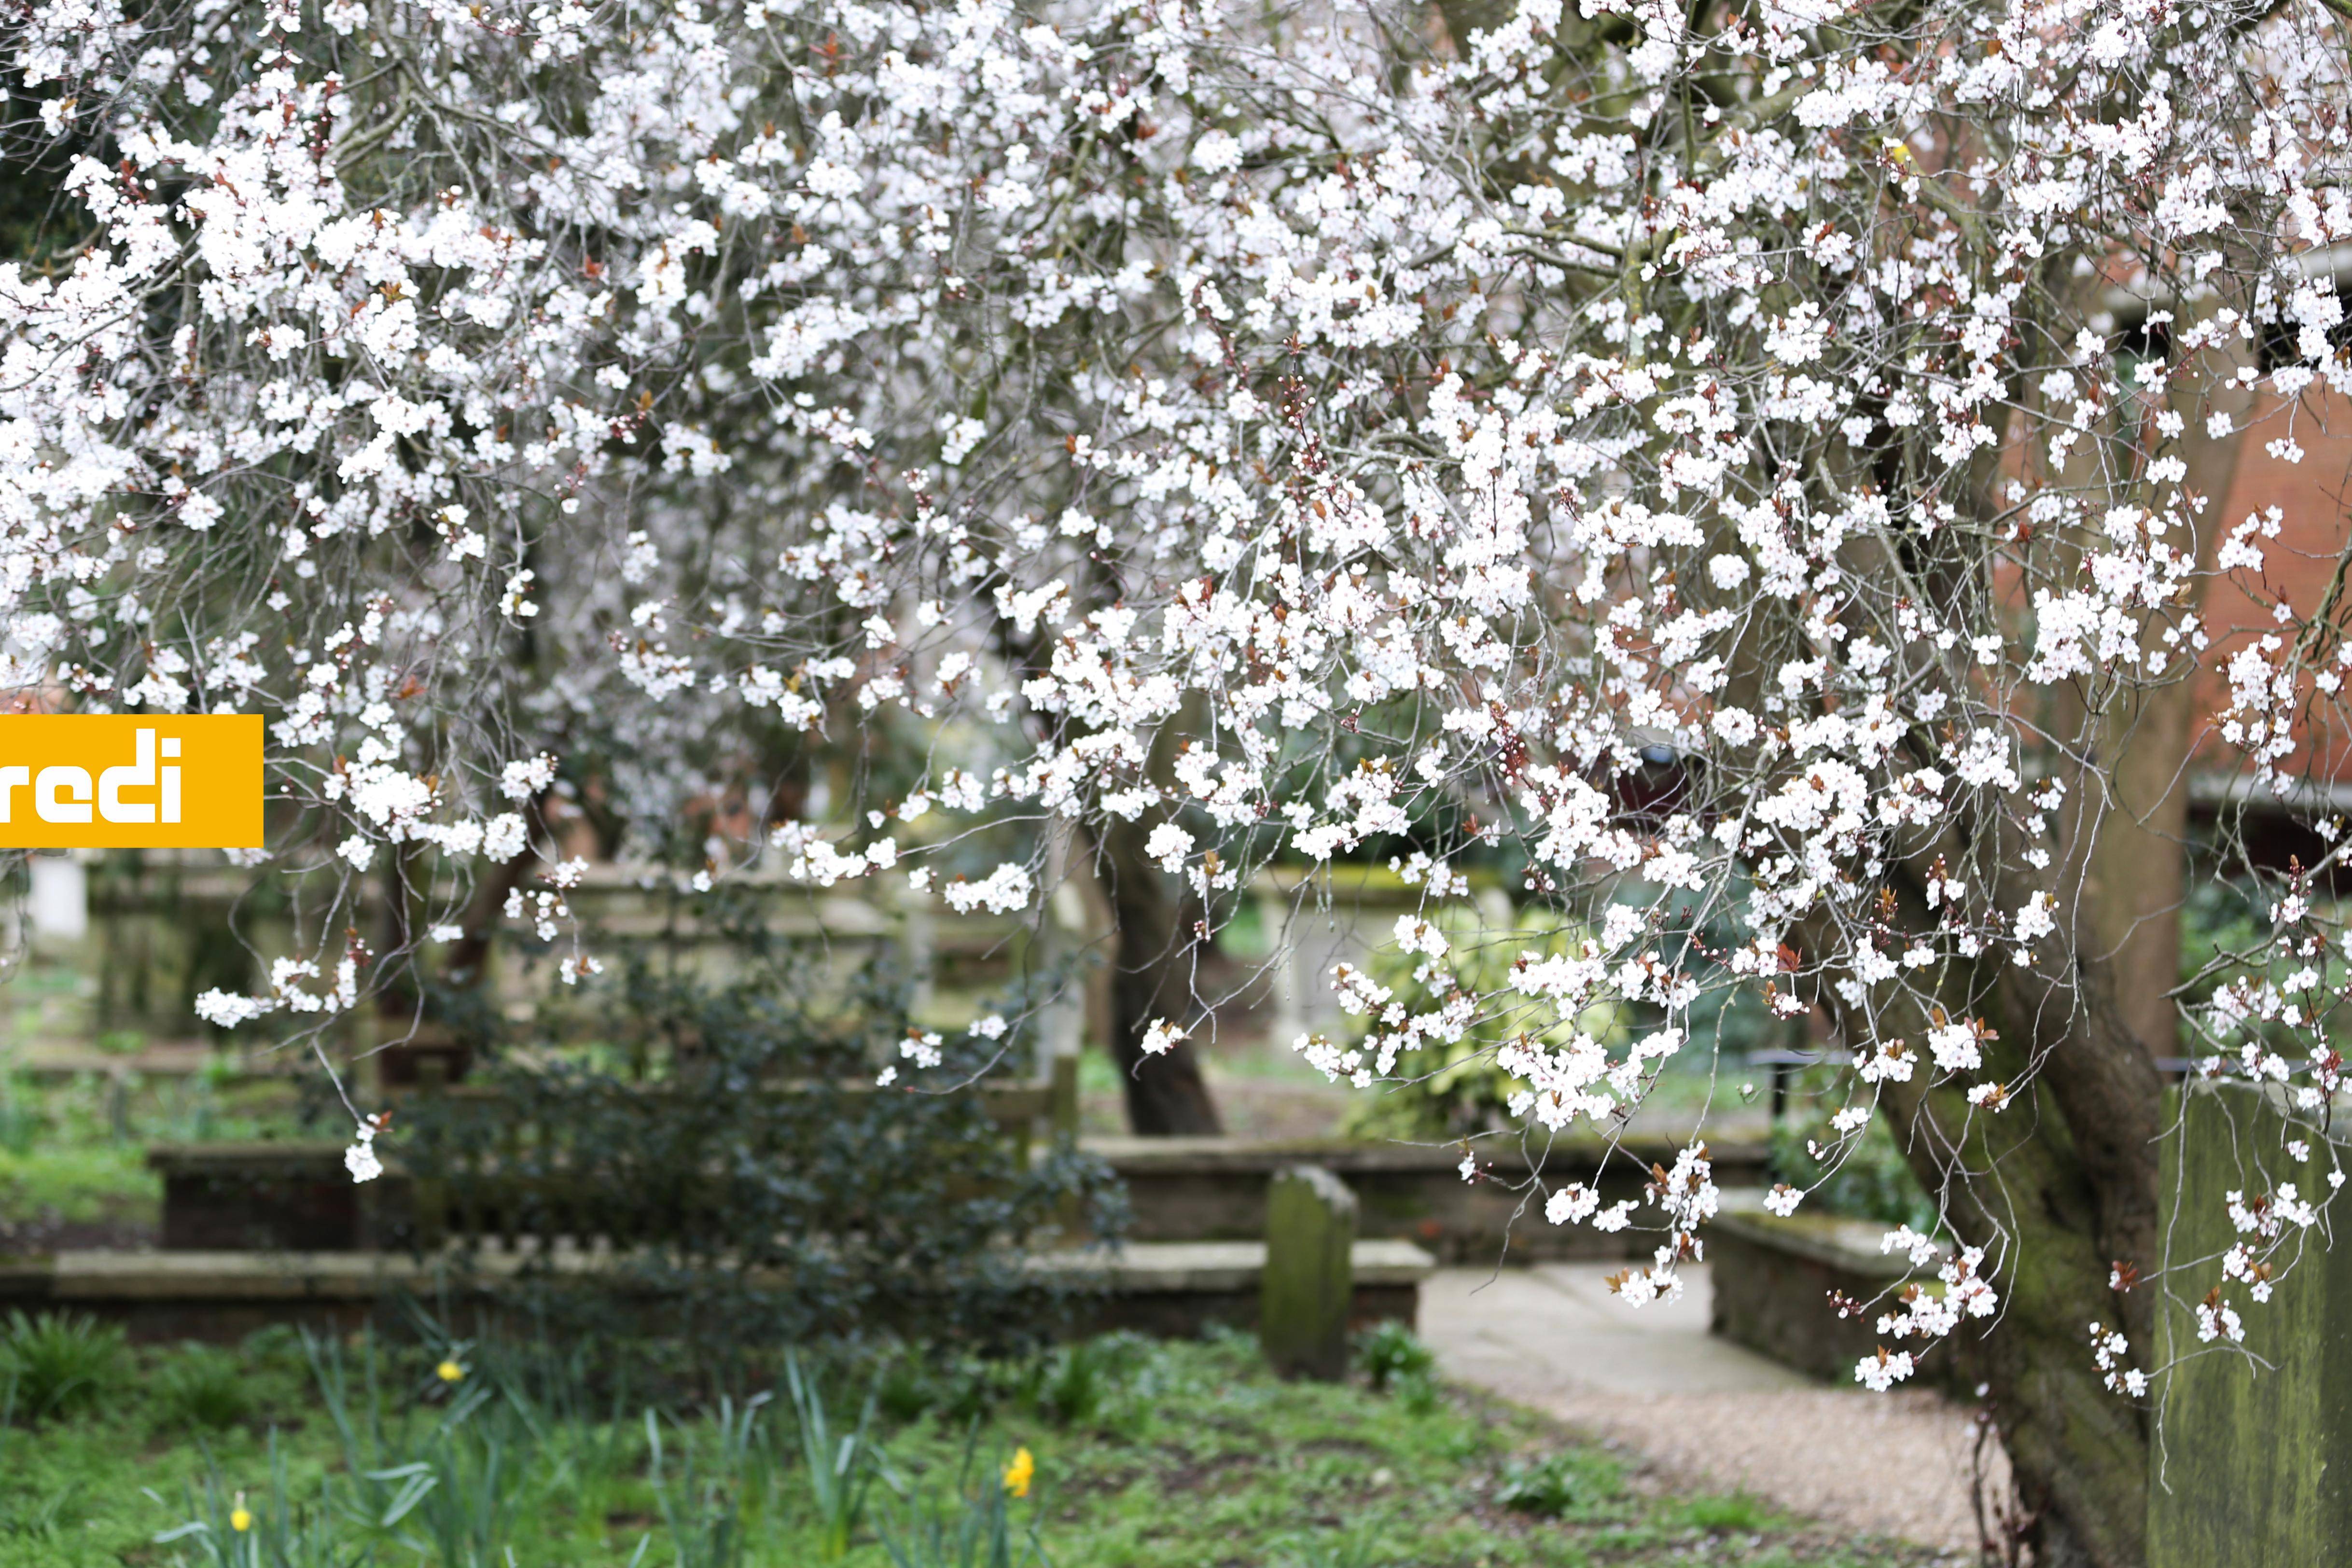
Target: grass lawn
<point>1147,1454</point>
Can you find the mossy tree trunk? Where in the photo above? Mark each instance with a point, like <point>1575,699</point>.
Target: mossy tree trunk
<point>2058,1186</point>
<point>2061,1187</point>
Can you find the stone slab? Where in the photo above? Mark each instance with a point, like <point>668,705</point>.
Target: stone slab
<point>2253,1461</point>
<point>1175,1288</point>
<point>1772,1282</point>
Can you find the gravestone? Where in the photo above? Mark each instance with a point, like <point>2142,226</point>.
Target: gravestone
<point>1309,1286</point>
<point>59,901</point>
<point>2253,1461</point>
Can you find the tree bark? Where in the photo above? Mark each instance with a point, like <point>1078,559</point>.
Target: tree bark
<point>2139,867</point>
<point>1152,978</point>
<point>2063,1184</point>
<point>2059,1194</point>
<point>2056,1187</point>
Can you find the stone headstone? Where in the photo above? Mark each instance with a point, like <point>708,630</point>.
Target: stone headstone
<point>60,899</point>
<point>1309,1286</point>
<point>2252,1463</point>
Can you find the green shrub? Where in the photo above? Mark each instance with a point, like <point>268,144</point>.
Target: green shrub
<point>1390,1353</point>
<point>1448,1089</point>
<point>959,1387</point>
<point>201,1386</point>
<point>276,1530</point>
<point>1559,1485</point>
<point>704,1508</point>
<point>729,1139</point>
<point>1872,1182</point>
<point>450,1473</point>
<point>60,1363</point>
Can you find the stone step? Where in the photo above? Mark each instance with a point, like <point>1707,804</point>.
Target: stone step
<point>1166,1287</point>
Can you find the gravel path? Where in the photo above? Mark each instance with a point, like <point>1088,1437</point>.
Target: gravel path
<point>1653,1380</point>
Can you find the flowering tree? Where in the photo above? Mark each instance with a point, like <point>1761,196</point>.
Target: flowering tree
<point>1202,435</point>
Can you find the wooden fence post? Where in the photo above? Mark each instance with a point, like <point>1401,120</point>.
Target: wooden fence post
<point>2253,1464</point>
<point>1308,1285</point>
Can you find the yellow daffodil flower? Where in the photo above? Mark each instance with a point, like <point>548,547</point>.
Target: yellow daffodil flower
<point>1020,1472</point>
<point>240,1519</point>
<point>448,1372</point>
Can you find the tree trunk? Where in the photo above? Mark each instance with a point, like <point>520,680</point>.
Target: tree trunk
<point>2063,1184</point>
<point>2138,872</point>
<point>2056,1204</point>
<point>2090,1039</point>
<point>1151,975</point>
<point>2056,1187</point>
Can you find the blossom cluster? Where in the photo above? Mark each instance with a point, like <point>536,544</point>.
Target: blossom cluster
<point>1684,454</point>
